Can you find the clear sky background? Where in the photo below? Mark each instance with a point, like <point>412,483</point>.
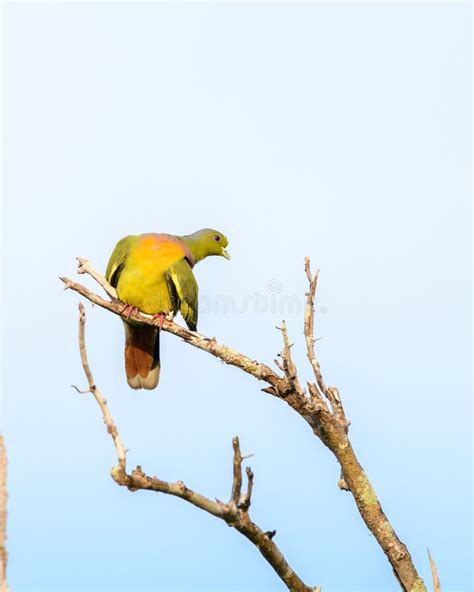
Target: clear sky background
<point>338,131</point>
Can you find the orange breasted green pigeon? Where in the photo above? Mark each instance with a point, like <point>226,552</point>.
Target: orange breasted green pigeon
<point>153,273</point>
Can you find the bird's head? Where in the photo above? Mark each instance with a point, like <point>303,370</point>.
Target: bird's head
<point>207,242</point>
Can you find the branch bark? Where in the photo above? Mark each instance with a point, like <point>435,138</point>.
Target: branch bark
<point>210,345</point>
<point>3,516</point>
<point>434,574</point>
<point>320,406</point>
<point>235,512</point>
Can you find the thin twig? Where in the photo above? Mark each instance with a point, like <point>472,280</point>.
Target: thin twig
<point>237,466</point>
<point>85,267</point>
<point>434,574</point>
<point>322,389</point>
<point>3,517</point>
<point>287,364</point>
<point>109,422</point>
<point>247,498</point>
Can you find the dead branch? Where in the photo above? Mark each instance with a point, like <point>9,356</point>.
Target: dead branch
<point>434,574</point>
<point>84,266</point>
<point>225,353</point>
<point>3,517</point>
<point>321,408</point>
<point>235,512</point>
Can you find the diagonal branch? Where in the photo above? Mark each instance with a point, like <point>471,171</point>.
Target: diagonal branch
<point>328,423</point>
<point>235,513</point>
<point>86,267</point>
<point>94,390</point>
<point>319,389</point>
<point>224,352</point>
<point>237,479</point>
<point>247,497</point>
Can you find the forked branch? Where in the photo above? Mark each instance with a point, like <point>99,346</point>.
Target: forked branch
<point>319,405</point>
<point>235,512</point>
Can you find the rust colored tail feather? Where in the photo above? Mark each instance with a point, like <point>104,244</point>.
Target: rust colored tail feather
<point>142,356</point>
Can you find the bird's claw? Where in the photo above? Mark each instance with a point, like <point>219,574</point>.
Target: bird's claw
<point>128,310</point>
<point>159,318</point>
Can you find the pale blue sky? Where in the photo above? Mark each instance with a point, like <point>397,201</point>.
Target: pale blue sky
<point>331,130</point>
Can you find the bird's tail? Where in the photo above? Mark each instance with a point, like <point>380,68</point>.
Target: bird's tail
<point>142,356</point>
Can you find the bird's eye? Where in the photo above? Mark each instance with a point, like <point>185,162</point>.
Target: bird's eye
<point>217,238</point>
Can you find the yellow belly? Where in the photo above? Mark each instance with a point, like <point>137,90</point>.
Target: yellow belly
<point>150,295</point>
<point>142,282</point>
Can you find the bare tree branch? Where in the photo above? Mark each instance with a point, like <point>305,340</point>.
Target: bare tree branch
<point>321,408</point>
<point>237,480</point>
<point>3,517</point>
<point>247,498</point>
<point>434,574</point>
<point>225,353</point>
<point>288,366</point>
<point>85,267</point>
<point>320,390</point>
<point>94,390</point>
<point>235,513</point>
<point>332,430</point>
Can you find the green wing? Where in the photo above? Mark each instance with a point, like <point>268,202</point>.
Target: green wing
<point>118,258</point>
<point>184,288</point>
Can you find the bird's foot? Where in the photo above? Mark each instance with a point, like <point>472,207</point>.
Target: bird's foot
<point>128,310</point>
<point>159,319</point>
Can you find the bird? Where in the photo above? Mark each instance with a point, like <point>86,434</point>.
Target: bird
<point>152,273</point>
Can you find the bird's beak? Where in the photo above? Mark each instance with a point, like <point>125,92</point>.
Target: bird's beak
<point>225,254</point>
